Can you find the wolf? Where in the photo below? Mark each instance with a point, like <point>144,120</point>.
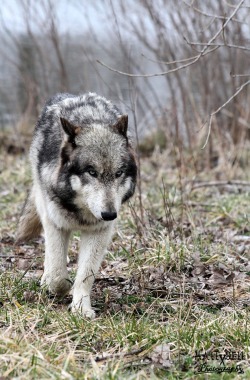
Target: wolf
<point>83,168</point>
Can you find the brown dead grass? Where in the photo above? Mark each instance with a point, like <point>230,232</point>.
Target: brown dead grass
<point>173,283</point>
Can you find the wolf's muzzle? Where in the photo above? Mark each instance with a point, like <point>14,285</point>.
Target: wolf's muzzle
<point>109,215</point>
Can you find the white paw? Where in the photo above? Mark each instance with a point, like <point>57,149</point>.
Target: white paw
<point>83,310</point>
<point>59,285</point>
<point>88,313</point>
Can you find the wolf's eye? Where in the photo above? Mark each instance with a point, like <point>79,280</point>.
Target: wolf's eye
<point>92,172</point>
<point>119,173</point>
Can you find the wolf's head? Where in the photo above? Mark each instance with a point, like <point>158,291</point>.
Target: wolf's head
<point>98,164</point>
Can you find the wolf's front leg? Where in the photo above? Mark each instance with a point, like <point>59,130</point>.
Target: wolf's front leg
<point>55,265</point>
<point>92,249</point>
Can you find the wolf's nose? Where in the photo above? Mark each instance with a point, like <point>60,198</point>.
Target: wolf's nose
<point>109,215</point>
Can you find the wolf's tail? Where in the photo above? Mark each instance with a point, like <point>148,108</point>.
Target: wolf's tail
<point>29,225</point>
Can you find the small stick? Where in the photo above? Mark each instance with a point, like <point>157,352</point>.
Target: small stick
<point>118,355</point>
<point>220,183</point>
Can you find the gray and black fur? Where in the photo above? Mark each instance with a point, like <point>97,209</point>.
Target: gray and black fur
<point>84,168</point>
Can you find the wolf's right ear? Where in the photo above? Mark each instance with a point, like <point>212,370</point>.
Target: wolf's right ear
<point>70,129</point>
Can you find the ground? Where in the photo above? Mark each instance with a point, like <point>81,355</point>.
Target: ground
<point>172,296</point>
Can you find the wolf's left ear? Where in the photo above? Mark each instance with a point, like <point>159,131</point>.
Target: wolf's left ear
<point>122,125</point>
<point>70,129</point>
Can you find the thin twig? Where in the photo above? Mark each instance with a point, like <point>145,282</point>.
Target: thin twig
<point>240,75</point>
<point>208,14</point>
<point>220,108</point>
<point>195,59</point>
<point>9,257</point>
<point>173,62</point>
<point>119,355</point>
<point>226,45</point>
<point>240,120</point>
<point>220,183</point>
<point>197,204</point>
<point>201,54</point>
<point>17,257</point>
<point>26,271</point>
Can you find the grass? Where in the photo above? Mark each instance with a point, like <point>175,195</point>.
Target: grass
<point>162,298</point>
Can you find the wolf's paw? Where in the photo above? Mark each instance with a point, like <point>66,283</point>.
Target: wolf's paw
<point>86,312</point>
<point>56,285</point>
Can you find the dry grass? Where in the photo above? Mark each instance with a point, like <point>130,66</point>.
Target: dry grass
<point>178,288</point>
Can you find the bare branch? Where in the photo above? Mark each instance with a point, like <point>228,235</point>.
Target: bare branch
<point>213,16</point>
<point>220,183</point>
<point>188,64</point>
<point>233,6</point>
<point>226,45</point>
<point>239,75</point>
<point>220,108</point>
<point>195,59</point>
<point>169,62</point>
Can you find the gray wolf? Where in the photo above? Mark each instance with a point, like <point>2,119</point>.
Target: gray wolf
<point>83,168</point>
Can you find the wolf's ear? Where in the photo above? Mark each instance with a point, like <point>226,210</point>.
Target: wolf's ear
<point>70,129</point>
<point>122,125</point>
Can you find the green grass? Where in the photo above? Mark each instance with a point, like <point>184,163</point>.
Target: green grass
<point>181,284</point>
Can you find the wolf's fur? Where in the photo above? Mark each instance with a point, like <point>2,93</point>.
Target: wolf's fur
<point>29,223</point>
<point>83,169</point>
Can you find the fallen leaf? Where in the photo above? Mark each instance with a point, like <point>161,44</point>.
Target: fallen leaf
<point>23,264</point>
<point>161,356</point>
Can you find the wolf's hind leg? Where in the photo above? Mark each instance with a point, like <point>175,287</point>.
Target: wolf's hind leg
<point>92,250</point>
<point>55,265</point>
<point>29,225</point>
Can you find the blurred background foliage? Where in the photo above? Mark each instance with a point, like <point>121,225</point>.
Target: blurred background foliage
<point>51,46</point>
